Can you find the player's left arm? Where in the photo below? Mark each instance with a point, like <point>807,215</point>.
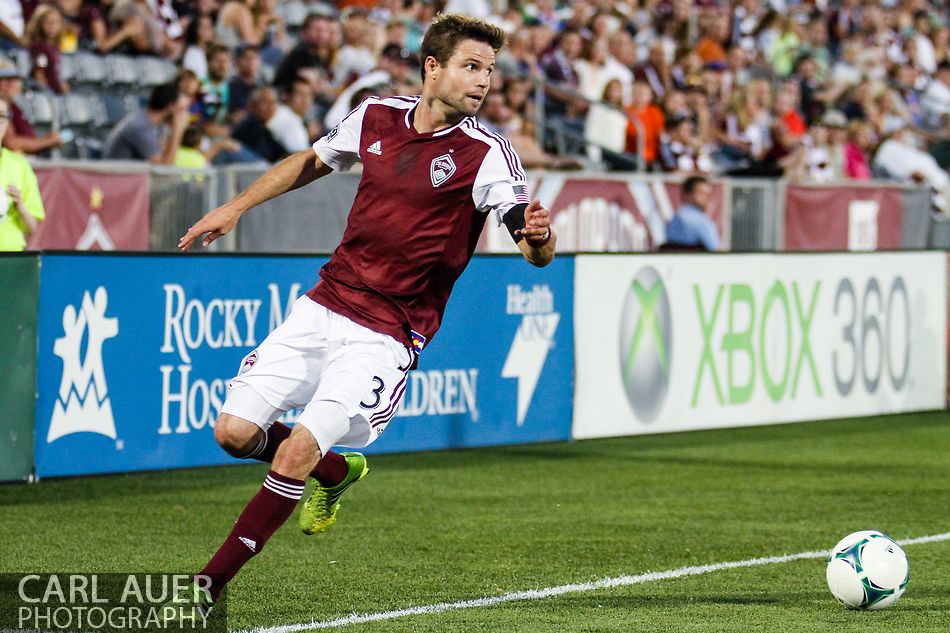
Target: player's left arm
<point>530,226</point>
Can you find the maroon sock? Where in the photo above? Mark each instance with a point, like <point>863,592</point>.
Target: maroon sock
<point>330,470</point>
<point>267,448</point>
<point>266,512</point>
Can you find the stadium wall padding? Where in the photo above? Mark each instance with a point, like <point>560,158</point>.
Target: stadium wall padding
<point>19,274</point>
<point>686,342</point>
<point>135,352</point>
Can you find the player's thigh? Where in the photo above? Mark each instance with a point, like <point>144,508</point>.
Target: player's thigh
<point>358,394</point>
<point>283,372</point>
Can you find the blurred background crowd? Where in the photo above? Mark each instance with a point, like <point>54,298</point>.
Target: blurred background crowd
<point>815,91</point>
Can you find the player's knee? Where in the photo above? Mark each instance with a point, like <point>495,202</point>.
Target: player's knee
<point>236,436</point>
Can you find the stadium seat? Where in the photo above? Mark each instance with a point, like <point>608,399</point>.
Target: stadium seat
<point>21,57</point>
<point>122,70</point>
<point>91,69</point>
<point>81,112</point>
<point>41,110</point>
<point>67,68</point>
<point>155,71</point>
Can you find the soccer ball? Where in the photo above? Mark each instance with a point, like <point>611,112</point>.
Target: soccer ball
<point>867,570</point>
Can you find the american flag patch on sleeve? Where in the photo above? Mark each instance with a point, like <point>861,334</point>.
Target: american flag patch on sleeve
<point>521,193</point>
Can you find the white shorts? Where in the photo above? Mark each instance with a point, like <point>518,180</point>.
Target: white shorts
<point>348,379</point>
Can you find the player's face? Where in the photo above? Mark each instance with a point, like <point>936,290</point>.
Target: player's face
<point>463,82</point>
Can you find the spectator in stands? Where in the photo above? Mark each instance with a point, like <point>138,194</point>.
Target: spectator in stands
<point>497,117</point>
<point>289,125</point>
<point>191,156</point>
<point>591,69</point>
<point>247,77</point>
<point>312,58</point>
<point>357,56</point>
<point>715,30</point>
<point>935,100</point>
<point>655,71</point>
<point>235,24</point>
<point>681,150</point>
<point>687,72</point>
<point>651,122</point>
<point>190,87</point>
<point>837,125</point>
<point>903,156</point>
<point>21,207</point>
<point>846,70</point>
<point>517,59</point>
<point>815,46</point>
<point>253,22</point>
<point>606,127</point>
<point>274,32</point>
<point>12,25</point>
<point>518,97</point>
<point>215,91</point>
<point>893,114</point>
<point>814,163</point>
<point>138,136</point>
<point>925,57</point>
<point>395,66</point>
<point>857,150</point>
<point>252,131</point>
<point>690,226</point>
<point>137,31</point>
<point>19,133</point>
<point>747,123</point>
<point>84,26</point>
<point>941,40</point>
<point>43,32</point>
<point>198,36</point>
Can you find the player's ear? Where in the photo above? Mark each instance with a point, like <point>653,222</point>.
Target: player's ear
<point>432,67</point>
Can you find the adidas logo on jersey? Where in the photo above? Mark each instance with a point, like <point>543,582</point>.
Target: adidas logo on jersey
<point>375,148</point>
<point>251,544</point>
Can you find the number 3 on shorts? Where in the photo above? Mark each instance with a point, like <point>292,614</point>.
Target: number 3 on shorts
<point>380,386</point>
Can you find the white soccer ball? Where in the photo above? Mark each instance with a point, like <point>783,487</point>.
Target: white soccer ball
<point>867,570</point>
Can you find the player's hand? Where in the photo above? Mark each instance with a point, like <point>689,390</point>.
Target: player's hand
<point>537,223</point>
<point>219,222</point>
<point>14,194</point>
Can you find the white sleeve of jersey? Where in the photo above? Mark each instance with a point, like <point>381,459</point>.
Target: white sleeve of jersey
<point>500,183</point>
<point>340,148</point>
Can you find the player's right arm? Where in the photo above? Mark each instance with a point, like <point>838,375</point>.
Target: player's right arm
<point>295,171</point>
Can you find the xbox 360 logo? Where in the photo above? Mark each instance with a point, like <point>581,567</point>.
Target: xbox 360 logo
<point>646,343</point>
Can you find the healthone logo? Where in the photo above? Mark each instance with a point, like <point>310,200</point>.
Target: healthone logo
<point>533,339</point>
<point>646,344</point>
<point>83,403</point>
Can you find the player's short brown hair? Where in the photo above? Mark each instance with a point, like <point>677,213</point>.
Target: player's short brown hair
<point>446,31</point>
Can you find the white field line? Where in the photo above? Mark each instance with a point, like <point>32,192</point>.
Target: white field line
<point>540,594</point>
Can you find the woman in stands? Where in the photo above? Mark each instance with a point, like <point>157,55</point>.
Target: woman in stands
<point>43,32</point>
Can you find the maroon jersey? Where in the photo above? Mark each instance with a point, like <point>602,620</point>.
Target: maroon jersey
<point>421,204</point>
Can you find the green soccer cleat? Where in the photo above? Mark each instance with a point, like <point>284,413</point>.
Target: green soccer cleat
<point>189,608</point>
<point>319,511</point>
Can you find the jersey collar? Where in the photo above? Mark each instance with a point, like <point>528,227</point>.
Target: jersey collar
<point>447,130</point>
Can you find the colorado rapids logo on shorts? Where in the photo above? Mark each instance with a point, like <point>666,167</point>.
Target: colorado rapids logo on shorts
<point>248,362</point>
<point>441,169</point>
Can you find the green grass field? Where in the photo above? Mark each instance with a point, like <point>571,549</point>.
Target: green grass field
<point>428,528</point>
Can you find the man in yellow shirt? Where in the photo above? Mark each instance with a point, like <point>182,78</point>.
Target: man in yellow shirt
<point>21,207</point>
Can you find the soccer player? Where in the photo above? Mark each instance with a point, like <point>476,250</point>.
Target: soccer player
<point>431,178</point>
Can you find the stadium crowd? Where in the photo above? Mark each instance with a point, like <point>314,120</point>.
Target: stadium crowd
<point>817,91</point>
